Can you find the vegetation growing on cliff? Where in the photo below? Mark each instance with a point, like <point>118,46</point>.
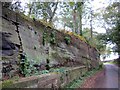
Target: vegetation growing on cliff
<point>68,16</point>
<point>71,13</point>
<point>77,83</point>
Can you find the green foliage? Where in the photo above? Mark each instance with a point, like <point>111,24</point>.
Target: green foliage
<point>70,10</point>
<point>100,65</point>
<point>67,40</point>
<point>111,17</point>
<point>34,19</point>
<point>96,41</point>
<point>52,34</point>
<point>79,81</point>
<point>71,4</point>
<point>44,10</point>
<point>44,38</point>
<point>27,68</point>
<point>52,40</point>
<point>7,83</point>
<point>47,66</point>
<point>44,72</point>
<point>58,70</point>
<point>15,78</point>
<point>116,61</point>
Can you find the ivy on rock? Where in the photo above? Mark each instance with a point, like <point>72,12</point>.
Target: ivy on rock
<point>44,38</point>
<point>52,40</point>
<point>27,68</point>
<point>67,40</point>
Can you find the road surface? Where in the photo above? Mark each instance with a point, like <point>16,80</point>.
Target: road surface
<point>110,79</point>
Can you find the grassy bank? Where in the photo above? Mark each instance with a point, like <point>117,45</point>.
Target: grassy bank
<point>79,81</point>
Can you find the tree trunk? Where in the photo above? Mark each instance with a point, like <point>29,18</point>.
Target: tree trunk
<point>79,5</point>
<point>53,13</point>
<point>80,29</point>
<point>30,9</point>
<point>74,21</point>
<point>91,33</point>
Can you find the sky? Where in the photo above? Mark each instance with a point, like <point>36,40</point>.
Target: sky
<point>97,6</point>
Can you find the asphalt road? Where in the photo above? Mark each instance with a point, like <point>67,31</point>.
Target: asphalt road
<point>110,78</point>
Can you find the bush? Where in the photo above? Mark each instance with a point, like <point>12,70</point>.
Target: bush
<point>7,83</point>
<point>52,40</point>
<point>67,40</point>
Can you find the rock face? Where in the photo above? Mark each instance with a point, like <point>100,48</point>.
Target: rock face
<point>39,42</point>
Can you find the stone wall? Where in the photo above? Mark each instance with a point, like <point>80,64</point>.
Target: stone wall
<point>51,80</point>
<point>22,35</point>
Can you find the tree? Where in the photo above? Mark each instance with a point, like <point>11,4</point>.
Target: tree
<point>6,4</point>
<point>72,16</point>
<point>66,15</point>
<point>96,41</point>
<point>80,11</point>
<point>112,19</point>
<point>77,14</point>
<point>90,16</point>
<point>43,10</point>
<point>73,8</point>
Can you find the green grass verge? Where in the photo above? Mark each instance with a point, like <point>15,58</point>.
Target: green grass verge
<point>79,81</point>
